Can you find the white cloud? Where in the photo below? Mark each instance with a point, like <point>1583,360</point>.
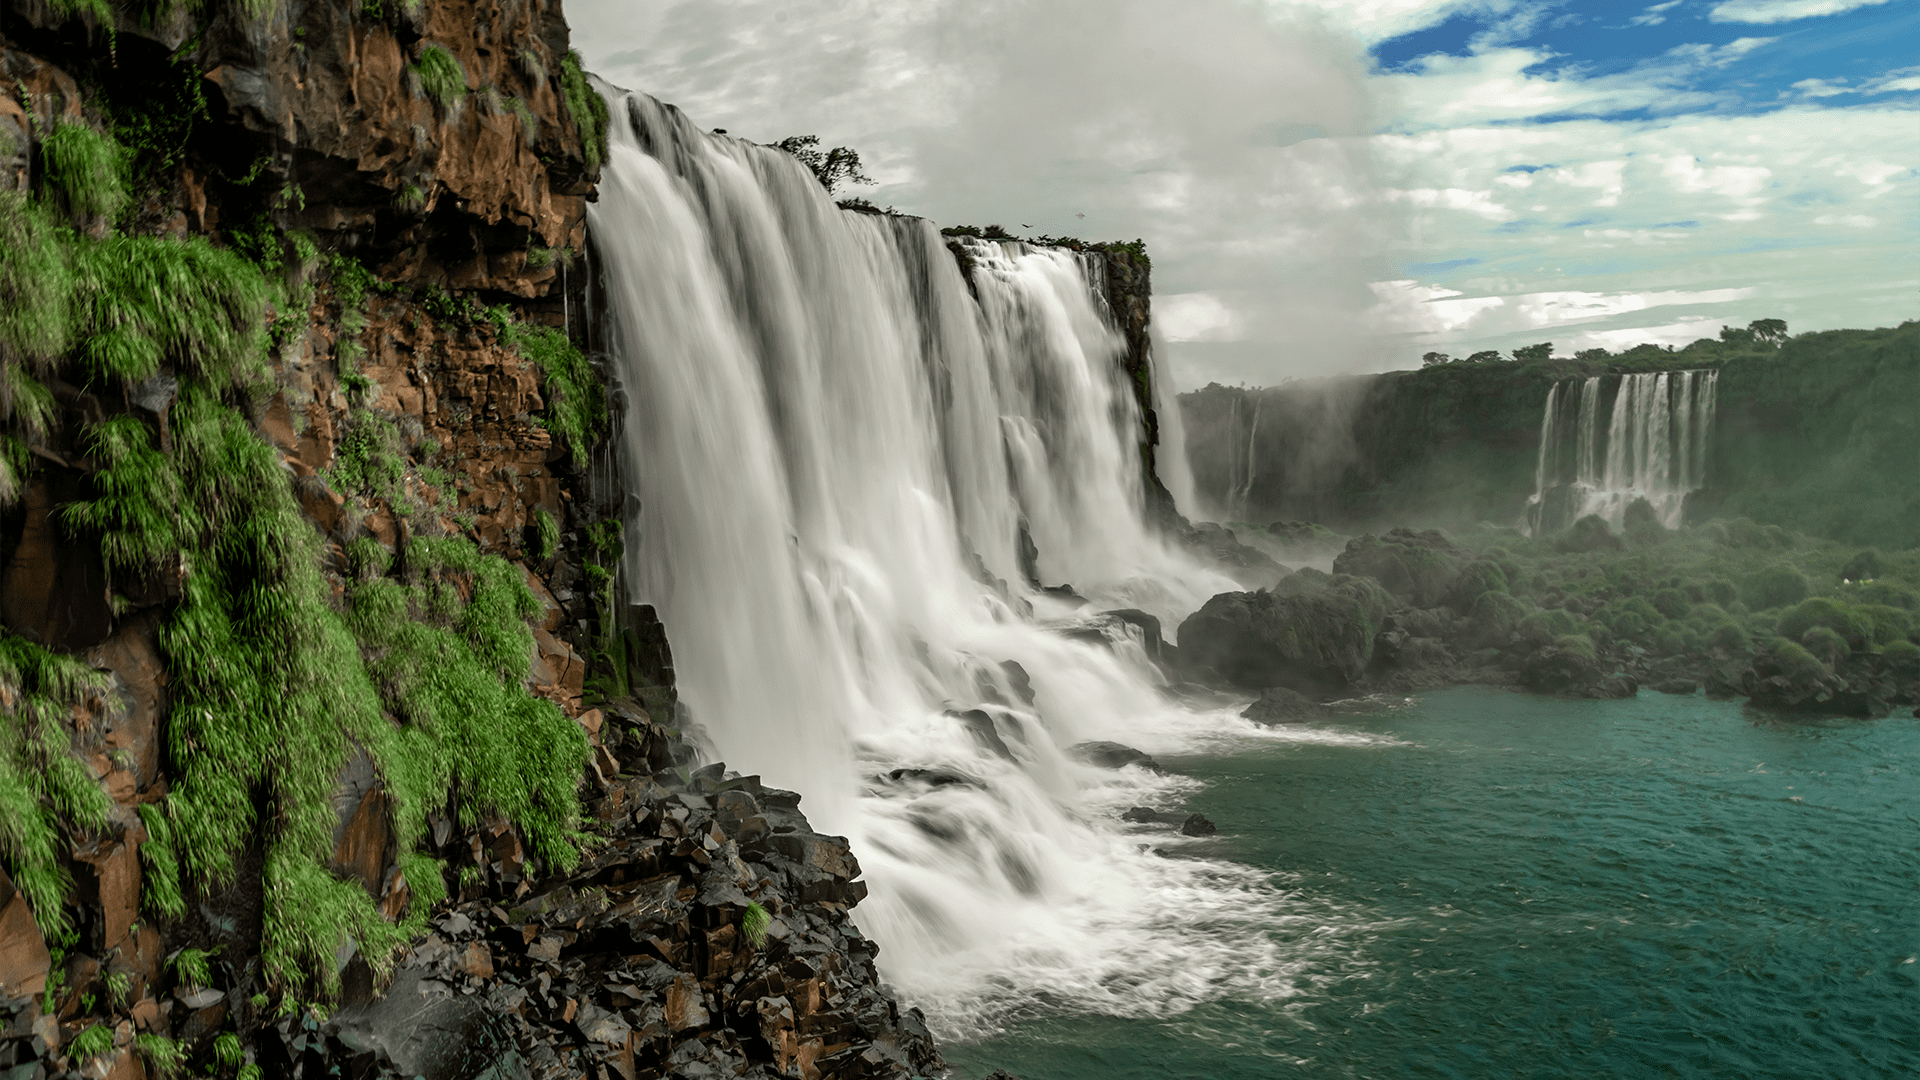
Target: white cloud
<point>1779,11</point>
<point>1851,221</point>
<point>1820,88</point>
<point>1654,15</point>
<point>1193,317</point>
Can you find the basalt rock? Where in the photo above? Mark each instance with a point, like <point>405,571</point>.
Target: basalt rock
<point>1319,643</point>
<point>1279,705</point>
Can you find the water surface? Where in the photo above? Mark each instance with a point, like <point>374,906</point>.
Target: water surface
<point>1501,885</point>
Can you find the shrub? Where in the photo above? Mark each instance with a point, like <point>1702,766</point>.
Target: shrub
<point>1841,618</point>
<point>1775,587</point>
<point>1884,592</point>
<point>1483,576</point>
<point>1902,652</point>
<point>1641,523</point>
<point>1862,567</point>
<point>1671,603</point>
<point>1669,640</point>
<point>1721,591</point>
<point>1795,662</point>
<point>1885,624</point>
<point>1823,643</point>
<point>1590,533</point>
<point>1730,638</point>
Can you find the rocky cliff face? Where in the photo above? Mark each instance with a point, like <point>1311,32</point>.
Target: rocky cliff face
<point>319,714</point>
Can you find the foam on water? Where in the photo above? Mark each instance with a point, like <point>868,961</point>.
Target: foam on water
<point>847,460</point>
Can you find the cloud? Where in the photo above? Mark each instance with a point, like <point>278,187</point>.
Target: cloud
<point>1654,15</point>
<point>1779,11</point>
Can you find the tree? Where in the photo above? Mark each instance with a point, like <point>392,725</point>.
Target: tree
<point>1733,335</point>
<point>1484,356</point>
<point>1433,358</point>
<point>1773,331</point>
<point>1595,355</point>
<point>1527,354</point>
<point>830,167</point>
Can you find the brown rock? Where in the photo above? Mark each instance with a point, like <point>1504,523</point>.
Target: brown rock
<point>113,885</point>
<point>133,732</point>
<point>361,852</point>
<point>54,592</point>
<point>316,443</point>
<point>24,962</point>
<point>686,1004</point>
<point>123,1064</point>
<point>477,961</point>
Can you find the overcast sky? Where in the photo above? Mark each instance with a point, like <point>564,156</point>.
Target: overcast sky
<point>1342,186</point>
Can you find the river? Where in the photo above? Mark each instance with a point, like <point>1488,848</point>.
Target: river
<point>1486,884</point>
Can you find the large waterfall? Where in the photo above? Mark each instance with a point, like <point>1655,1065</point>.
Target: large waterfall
<point>840,452</point>
<point>1653,446</point>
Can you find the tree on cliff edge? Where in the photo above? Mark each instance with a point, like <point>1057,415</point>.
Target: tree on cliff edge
<point>830,167</point>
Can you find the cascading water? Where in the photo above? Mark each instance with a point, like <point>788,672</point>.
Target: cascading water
<point>836,449</point>
<point>1654,448</point>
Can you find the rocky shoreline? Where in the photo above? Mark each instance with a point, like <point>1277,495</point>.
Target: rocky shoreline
<point>1413,610</point>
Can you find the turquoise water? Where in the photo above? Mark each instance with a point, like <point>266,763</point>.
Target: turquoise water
<point>1512,886</point>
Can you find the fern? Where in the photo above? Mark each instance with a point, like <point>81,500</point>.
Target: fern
<point>441,76</point>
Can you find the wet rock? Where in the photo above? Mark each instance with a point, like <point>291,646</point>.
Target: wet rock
<point>1143,815</point>
<point>1197,825</point>
<point>24,961</point>
<point>1317,643</point>
<point>1113,755</point>
<point>1279,705</point>
<point>1678,687</point>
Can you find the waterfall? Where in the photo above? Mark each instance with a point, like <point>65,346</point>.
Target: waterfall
<point>836,452</point>
<point>1655,449</point>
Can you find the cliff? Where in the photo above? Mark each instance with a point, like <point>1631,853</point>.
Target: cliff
<point>1814,435</point>
<point>322,722</point>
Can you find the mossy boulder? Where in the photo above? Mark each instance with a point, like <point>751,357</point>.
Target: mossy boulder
<point>1590,533</point>
<point>1479,577</point>
<point>1492,620</point>
<point>1775,587</point>
<point>1317,643</point>
<point>1841,618</point>
<point>1570,666</point>
<point>1418,568</point>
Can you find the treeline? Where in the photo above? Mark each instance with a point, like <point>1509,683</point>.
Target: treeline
<point>1760,334</point>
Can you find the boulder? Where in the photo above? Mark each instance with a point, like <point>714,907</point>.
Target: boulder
<point>1197,825</point>
<point>24,962</point>
<point>1318,643</point>
<point>1246,565</point>
<point>1570,666</point>
<point>1112,755</point>
<point>1418,568</point>
<point>1279,705</point>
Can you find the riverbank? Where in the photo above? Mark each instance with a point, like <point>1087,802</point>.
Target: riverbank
<point>1787,621</point>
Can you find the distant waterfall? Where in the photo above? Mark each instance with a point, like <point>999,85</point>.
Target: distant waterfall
<point>1654,447</point>
<point>836,450</point>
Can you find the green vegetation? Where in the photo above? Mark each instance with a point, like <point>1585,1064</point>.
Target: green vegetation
<point>1723,590</point>
<point>91,1043</point>
<point>165,1057</point>
<point>753,924</point>
<point>840,165</point>
<point>42,782</point>
<point>86,169</point>
<point>441,76</point>
<point>576,402</point>
<point>587,109</point>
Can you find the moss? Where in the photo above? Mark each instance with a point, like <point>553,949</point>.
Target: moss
<point>1828,646</point>
<point>274,691</point>
<point>1819,611</point>
<point>1775,587</point>
<point>1728,636</point>
<point>587,109</point>
<point>576,404</point>
<point>85,170</point>
<point>1902,651</point>
<point>45,790</point>
<point>441,76</point>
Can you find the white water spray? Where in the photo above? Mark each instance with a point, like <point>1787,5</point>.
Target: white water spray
<point>836,448</point>
<point>1654,449</point>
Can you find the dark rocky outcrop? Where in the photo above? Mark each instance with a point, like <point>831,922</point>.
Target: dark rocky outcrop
<point>1319,643</point>
<point>1279,705</point>
<point>1113,755</point>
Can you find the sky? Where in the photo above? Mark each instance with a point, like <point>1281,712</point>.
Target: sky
<point>1333,186</point>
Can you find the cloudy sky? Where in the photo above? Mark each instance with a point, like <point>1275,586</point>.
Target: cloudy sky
<point>1342,185</point>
